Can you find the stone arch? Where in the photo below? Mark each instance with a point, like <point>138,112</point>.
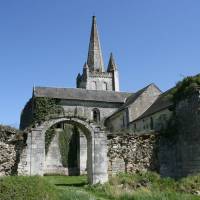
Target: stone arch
<point>32,161</point>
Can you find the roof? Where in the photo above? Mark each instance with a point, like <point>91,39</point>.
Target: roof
<point>162,102</point>
<point>81,94</point>
<point>132,99</point>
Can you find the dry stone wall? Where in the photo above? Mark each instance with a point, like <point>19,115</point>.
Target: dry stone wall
<point>11,144</point>
<point>132,153</point>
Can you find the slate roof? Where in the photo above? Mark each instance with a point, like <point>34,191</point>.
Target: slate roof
<point>161,103</point>
<point>81,94</point>
<point>131,99</point>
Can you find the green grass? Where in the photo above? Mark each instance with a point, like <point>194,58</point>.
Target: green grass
<point>147,186</point>
<point>141,186</point>
<point>26,188</point>
<point>67,180</point>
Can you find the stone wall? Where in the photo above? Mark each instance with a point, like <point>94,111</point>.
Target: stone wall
<point>180,151</point>
<point>145,100</point>
<point>135,106</point>
<point>132,153</point>
<point>85,109</point>
<point>155,122</point>
<point>11,144</point>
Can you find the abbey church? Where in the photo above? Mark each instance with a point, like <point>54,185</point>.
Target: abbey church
<point>116,130</point>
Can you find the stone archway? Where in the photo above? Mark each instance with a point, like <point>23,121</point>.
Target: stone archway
<point>32,160</point>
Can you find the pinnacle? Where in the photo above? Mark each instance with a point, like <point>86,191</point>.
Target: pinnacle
<point>111,64</point>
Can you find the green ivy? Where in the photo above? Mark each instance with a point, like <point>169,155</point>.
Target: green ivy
<point>49,135</point>
<point>39,109</point>
<point>64,142</point>
<point>43,107</point>
<point>185,88</point>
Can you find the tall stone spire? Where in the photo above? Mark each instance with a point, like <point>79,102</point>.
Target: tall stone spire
<point>95,59</point>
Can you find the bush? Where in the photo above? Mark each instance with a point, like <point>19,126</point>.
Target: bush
<point>185,88</point>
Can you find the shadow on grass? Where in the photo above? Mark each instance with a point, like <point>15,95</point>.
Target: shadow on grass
<point>71,184</point>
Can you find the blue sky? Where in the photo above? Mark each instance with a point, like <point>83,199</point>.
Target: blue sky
<point>45,43</point>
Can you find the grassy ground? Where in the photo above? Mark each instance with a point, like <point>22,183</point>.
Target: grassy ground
<point>147,186</point>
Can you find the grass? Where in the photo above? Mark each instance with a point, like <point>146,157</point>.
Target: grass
<point>26,188</point>
<point>141,186</point>
<point>148,186</point>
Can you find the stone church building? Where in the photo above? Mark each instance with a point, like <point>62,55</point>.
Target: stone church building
<point>98,109</point>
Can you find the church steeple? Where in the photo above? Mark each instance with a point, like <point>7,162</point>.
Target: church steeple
<point>94,77</point>
<point>95,59</point>
<point>111,65</point>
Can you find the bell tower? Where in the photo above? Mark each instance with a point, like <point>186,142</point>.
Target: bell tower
<point>94,76</point>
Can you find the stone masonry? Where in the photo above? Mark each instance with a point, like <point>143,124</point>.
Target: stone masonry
<point>132,153</point>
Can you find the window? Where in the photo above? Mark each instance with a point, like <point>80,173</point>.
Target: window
<point>135,127</point>
<point>96,115</point>
<point>94,85</point>
<point>123,122</point>
<point>151,123</point>
<point>105,86</point>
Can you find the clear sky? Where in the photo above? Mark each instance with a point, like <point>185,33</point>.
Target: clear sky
<point>45,43</point>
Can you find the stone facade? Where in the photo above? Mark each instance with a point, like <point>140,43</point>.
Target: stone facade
<point>85,109</point>
<point>155,122</point>
<point>135,106</point>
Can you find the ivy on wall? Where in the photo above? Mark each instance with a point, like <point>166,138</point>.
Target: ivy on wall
<point>39,109</point>
<point>64,142</point>
<point>49,135</point>
<point>44,107</point>
<point>184,89</point>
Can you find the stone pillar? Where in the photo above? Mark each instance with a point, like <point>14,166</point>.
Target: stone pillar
<point>37,153</point>
<point>33,156</point>
<point>83,154</point>
<point>100,168</point>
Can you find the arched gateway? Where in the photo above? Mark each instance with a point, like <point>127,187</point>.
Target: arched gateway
<point>32,160</point>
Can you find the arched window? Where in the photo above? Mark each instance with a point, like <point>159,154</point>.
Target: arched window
<point>151,123</point>
<point>94,85</point>
<point>105,86</point>
<point>96,115</point>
